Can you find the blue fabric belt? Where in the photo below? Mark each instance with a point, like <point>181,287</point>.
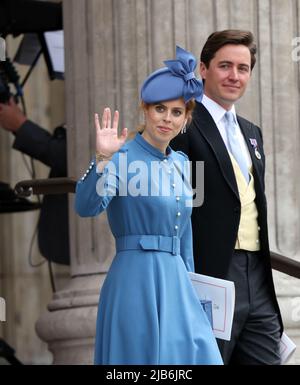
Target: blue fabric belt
<point>149,242</point>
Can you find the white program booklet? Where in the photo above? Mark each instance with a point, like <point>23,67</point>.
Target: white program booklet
<point>287,348</point>
<point>222,295</point>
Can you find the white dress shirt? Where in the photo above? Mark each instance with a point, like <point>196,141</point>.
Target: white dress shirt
<point>218,114</point>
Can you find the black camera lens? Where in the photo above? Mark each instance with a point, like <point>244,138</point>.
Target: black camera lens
<point>4,87</point>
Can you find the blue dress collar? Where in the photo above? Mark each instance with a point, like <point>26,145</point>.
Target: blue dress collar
<point>153,150</point>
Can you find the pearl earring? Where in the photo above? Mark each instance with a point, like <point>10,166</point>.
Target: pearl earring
<point>183,130</point>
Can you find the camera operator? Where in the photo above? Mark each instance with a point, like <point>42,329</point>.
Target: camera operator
<point>38,143</point>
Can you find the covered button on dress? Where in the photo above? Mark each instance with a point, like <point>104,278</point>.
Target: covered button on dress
<point>148,311</point>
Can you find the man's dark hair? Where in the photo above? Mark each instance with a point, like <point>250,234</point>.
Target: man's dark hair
<point>219,39</point>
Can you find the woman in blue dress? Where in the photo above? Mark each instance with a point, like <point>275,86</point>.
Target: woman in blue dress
<point>149,312</point>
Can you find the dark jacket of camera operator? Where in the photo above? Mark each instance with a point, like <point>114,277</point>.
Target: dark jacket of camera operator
<point>33,140</point>
<point>53,234</point>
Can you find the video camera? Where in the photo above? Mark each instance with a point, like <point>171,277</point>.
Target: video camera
<point>4,88</point>
<point>27,17</point>
<point>8,74</point>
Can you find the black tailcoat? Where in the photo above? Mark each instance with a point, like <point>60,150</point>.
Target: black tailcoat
<point>216,222</point>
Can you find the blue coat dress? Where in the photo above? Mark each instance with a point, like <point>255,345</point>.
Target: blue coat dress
<point>148,310</point>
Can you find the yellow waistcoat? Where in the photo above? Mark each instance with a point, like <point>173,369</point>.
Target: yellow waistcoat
<point>248,233</point>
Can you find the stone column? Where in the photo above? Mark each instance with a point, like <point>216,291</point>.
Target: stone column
<point>110,46</point>
<point>280,113</point>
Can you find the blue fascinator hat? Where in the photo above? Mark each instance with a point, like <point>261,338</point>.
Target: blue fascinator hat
<point>176,80</point>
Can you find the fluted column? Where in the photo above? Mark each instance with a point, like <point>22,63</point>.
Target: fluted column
<point>277,104</point>
<point>110,46</point>
<point>69,323</point>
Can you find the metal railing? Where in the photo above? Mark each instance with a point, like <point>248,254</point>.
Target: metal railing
<point>285,265</point>
<point>26,188</point>
<point>67,185</point>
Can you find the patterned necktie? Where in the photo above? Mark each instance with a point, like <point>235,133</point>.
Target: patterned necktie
<point>234,145</point>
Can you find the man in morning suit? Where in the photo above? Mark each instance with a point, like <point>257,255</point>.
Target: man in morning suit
<point>230,228</point>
